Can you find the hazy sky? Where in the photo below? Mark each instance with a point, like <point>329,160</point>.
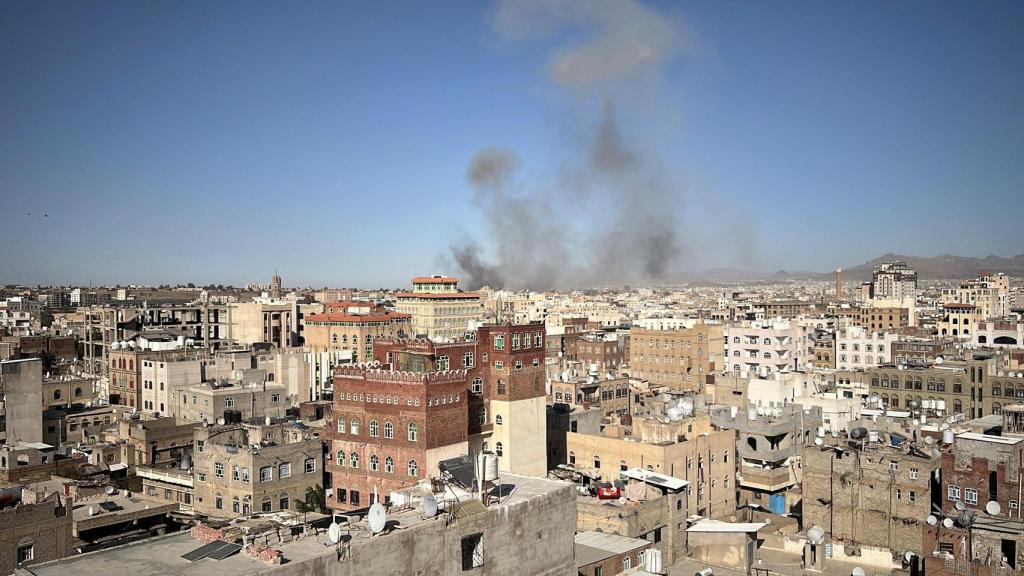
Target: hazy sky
<point>183,141</point>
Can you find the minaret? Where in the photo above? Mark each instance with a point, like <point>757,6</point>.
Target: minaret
<point>839,284</point>
<point>275,286</point>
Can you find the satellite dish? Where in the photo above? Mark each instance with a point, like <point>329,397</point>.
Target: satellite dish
<point>377,517</point>
<point>334,533</point>
<point>993,508</point>
<point>929,440</point>
<point>818,442</point>
<point>908,555</point>
<point>429,506</point>
<point>932,520</point>
<point>858,571</point>
<point>110,490</point>
<point>948,522</point>
<point>267,420</point>
<point>220,421</point>
<point>959,506</point>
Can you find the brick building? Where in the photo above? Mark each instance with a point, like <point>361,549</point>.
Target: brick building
<point>34,531</point>
<point>390,429</point>
<point>682,359</point>
<point>602,350</point>
<point>873,318</point>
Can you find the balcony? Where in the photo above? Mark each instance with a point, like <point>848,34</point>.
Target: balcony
<point>764,453</point>
<point>768,479</point>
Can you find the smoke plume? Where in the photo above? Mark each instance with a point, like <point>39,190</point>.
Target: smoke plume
<point>610,215</point>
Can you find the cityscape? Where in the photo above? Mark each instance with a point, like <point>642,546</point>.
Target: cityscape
<point>526,287</point>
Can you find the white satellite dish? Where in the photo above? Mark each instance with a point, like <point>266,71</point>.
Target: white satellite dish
<point>334,533</point>
<point>993,508</point>
<point>858,571</point>
<point>110,490</point>
<point>932,520</point>
<point>959,506</point>
<point>908,555</point>
<point>817,442</point>
<point>377,518</point>
<point>429,506</point>
<point>267,420</point>
<point>948,522</point>
<point>220,421</point>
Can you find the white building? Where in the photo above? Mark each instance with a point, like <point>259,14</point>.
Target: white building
<point>764,347</point>
<point>860,349</point>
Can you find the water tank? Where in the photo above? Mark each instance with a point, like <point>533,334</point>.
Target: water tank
<point>940,405</point>
<point>674,413</point>
<point>948,436</point>
<point>873,435</point>
<point>186,462</point>
<point>733,411</point>
<point>490,467</point>
<point>704,572</point>
<point>751,415</point>
<point>686,405</point>
<point>816,535</point>
<point>115,346</point>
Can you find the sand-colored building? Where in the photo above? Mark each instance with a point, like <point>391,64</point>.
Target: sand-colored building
<point>439,309</point>
<point>681,359</point>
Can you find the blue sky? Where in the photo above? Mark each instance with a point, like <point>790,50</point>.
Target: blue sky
<point>216,142</point>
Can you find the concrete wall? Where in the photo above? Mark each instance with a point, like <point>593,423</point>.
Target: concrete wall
<point>45,525</point>
<point>522,434</point>
<point>21,382</point>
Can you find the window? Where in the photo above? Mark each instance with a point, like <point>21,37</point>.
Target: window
<point>467,360</point>
<point>413,468</point>
<point>285,470</point>
<point>26,552</point>
<point>913,473</point>
<point>218,502</point>
<point>341,457</point>
<point>354,460</point>
<point>354,426</point>
<point>970,496</point>
<point>498,420</point>
<point>389,465</point>
<point>538,339</point>
<point>229,402</point>
<point>202,477</point>
<point>389,430</point>
<point>413,431</point>
<point>626,563</point>
<point>953,493</point>
<point>499,365</point>
<point>200,446</point>
<point>266,474</point>
<point>235,505</point>
<point>913,496</point>
<point>275,397</point>
<point>622,466</point>
<point>894,466</point>
<point>310,466</point>
<point>234,473</point>
<point>483,415</point>
<point>597,462</point>
<point>1014,505</point>
<point>354,497</point>
<point>374,463</point>
<point>442,362</point>
<point>218,469</point>
<point>515,341</point>
<point>283,502</point>
<point>499,341</point>
<point>472,551</point>
<point>499,449</point>
<point>502,389</point>
<point>374,428</point>
<point>477,387</point>
<point>341,424</point>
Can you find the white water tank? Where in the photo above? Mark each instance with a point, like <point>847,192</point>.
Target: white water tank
<point>948,436</point>
<point>686,405</point>
<point>652,561</point>
<point>487,464</point>
<point>733,411</point>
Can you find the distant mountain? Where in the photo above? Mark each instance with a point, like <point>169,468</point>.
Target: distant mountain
<point>946,266</point>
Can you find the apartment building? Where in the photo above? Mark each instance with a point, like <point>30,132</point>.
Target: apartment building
<point>769,346</point>
<point>244,468</point>
<point>439,309</point>
<point>859,349</point>
<point>681,359</point>
<point>989,292</point>
<point>877,318</point>
<point>959,319</point>
<point>238,399</point>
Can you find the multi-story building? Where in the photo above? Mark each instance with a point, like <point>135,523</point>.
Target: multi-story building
<point>999,333</point>
<point>160,376</point>
<point>876,318</point>
<point>125,363</point>
<point>824,350</point>
<point>687,448</point>
<point>989,292</point>
<point>391,428</point>
<point>894,280</point>
<point>21,385</point>
<point>439,309</point>
<point>352,327</point>
<point>858,349</point>
<point>920,350</point>
<point>681,359</point>
<point>768,346</point>
<point>869,493</point>
<point>244,468</point>
<point>34,530</point>
<point>959,319</point>
<point>246,399</point>
<point>787,308</point>
<point>267,320</point>
<point>769,444</point>
<point>603,350</point>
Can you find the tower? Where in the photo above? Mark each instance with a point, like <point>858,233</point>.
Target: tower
<point>839,284</point>
<point>275,286</point>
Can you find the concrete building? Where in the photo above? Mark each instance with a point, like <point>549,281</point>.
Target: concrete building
<point>768,346</point>
<point>681,359</point>
<point>439,309</point>
<point>266,320</point>
<point>688,449</point>
<point>353,326</point>
<point>769,444</point>
<point>869,493</point>
<point>894,280</point>
<point>959,319</point>
<point>466,537</point>
<point>124,367</point>
<point>157,442</point>
<point>598,553</point>
<point>603,350</point>
<point>21,385</point>
<point>244,468</point>
<point>33,530</point>
<point>989,292</point>
<point>859,349</point>
<point>209,401</point>
<point>921,351</point>
<point>999,334</point>
<point>877,318</point>
<point>161,376</point>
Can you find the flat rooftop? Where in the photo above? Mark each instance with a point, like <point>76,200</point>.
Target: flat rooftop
<point>163,555</point>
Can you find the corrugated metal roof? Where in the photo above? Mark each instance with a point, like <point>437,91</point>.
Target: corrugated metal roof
<point>611,543</point>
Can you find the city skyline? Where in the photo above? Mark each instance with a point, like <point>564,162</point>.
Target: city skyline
<point>173,143</point>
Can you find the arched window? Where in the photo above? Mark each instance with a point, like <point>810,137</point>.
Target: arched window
<point>389,430</point>
<point>958,406</point>
<point>597,461</point>
<point>374,463</point>
<point>997,408</point>
<point>498,420</point>
<point>353,426</point>
<point>622,466</point>
<point>56,394</point>
<point>572,457</point>
<point>341,424</point>
<point>354,460</point>
<point>895,401</point>
<point>499,449</point>
<point>389,465</point>
<point>413,468</point>
<point>483,415</point>
<point>78,392</point>
<point>374,428</point>
<point>341,457</point>
<point>413,431</point>
<point>909,400</point>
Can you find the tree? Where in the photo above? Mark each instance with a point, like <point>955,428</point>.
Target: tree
<point>49,360</point>
<point>315,501</point>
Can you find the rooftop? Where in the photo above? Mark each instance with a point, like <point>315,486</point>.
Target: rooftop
<point>593,547</point>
